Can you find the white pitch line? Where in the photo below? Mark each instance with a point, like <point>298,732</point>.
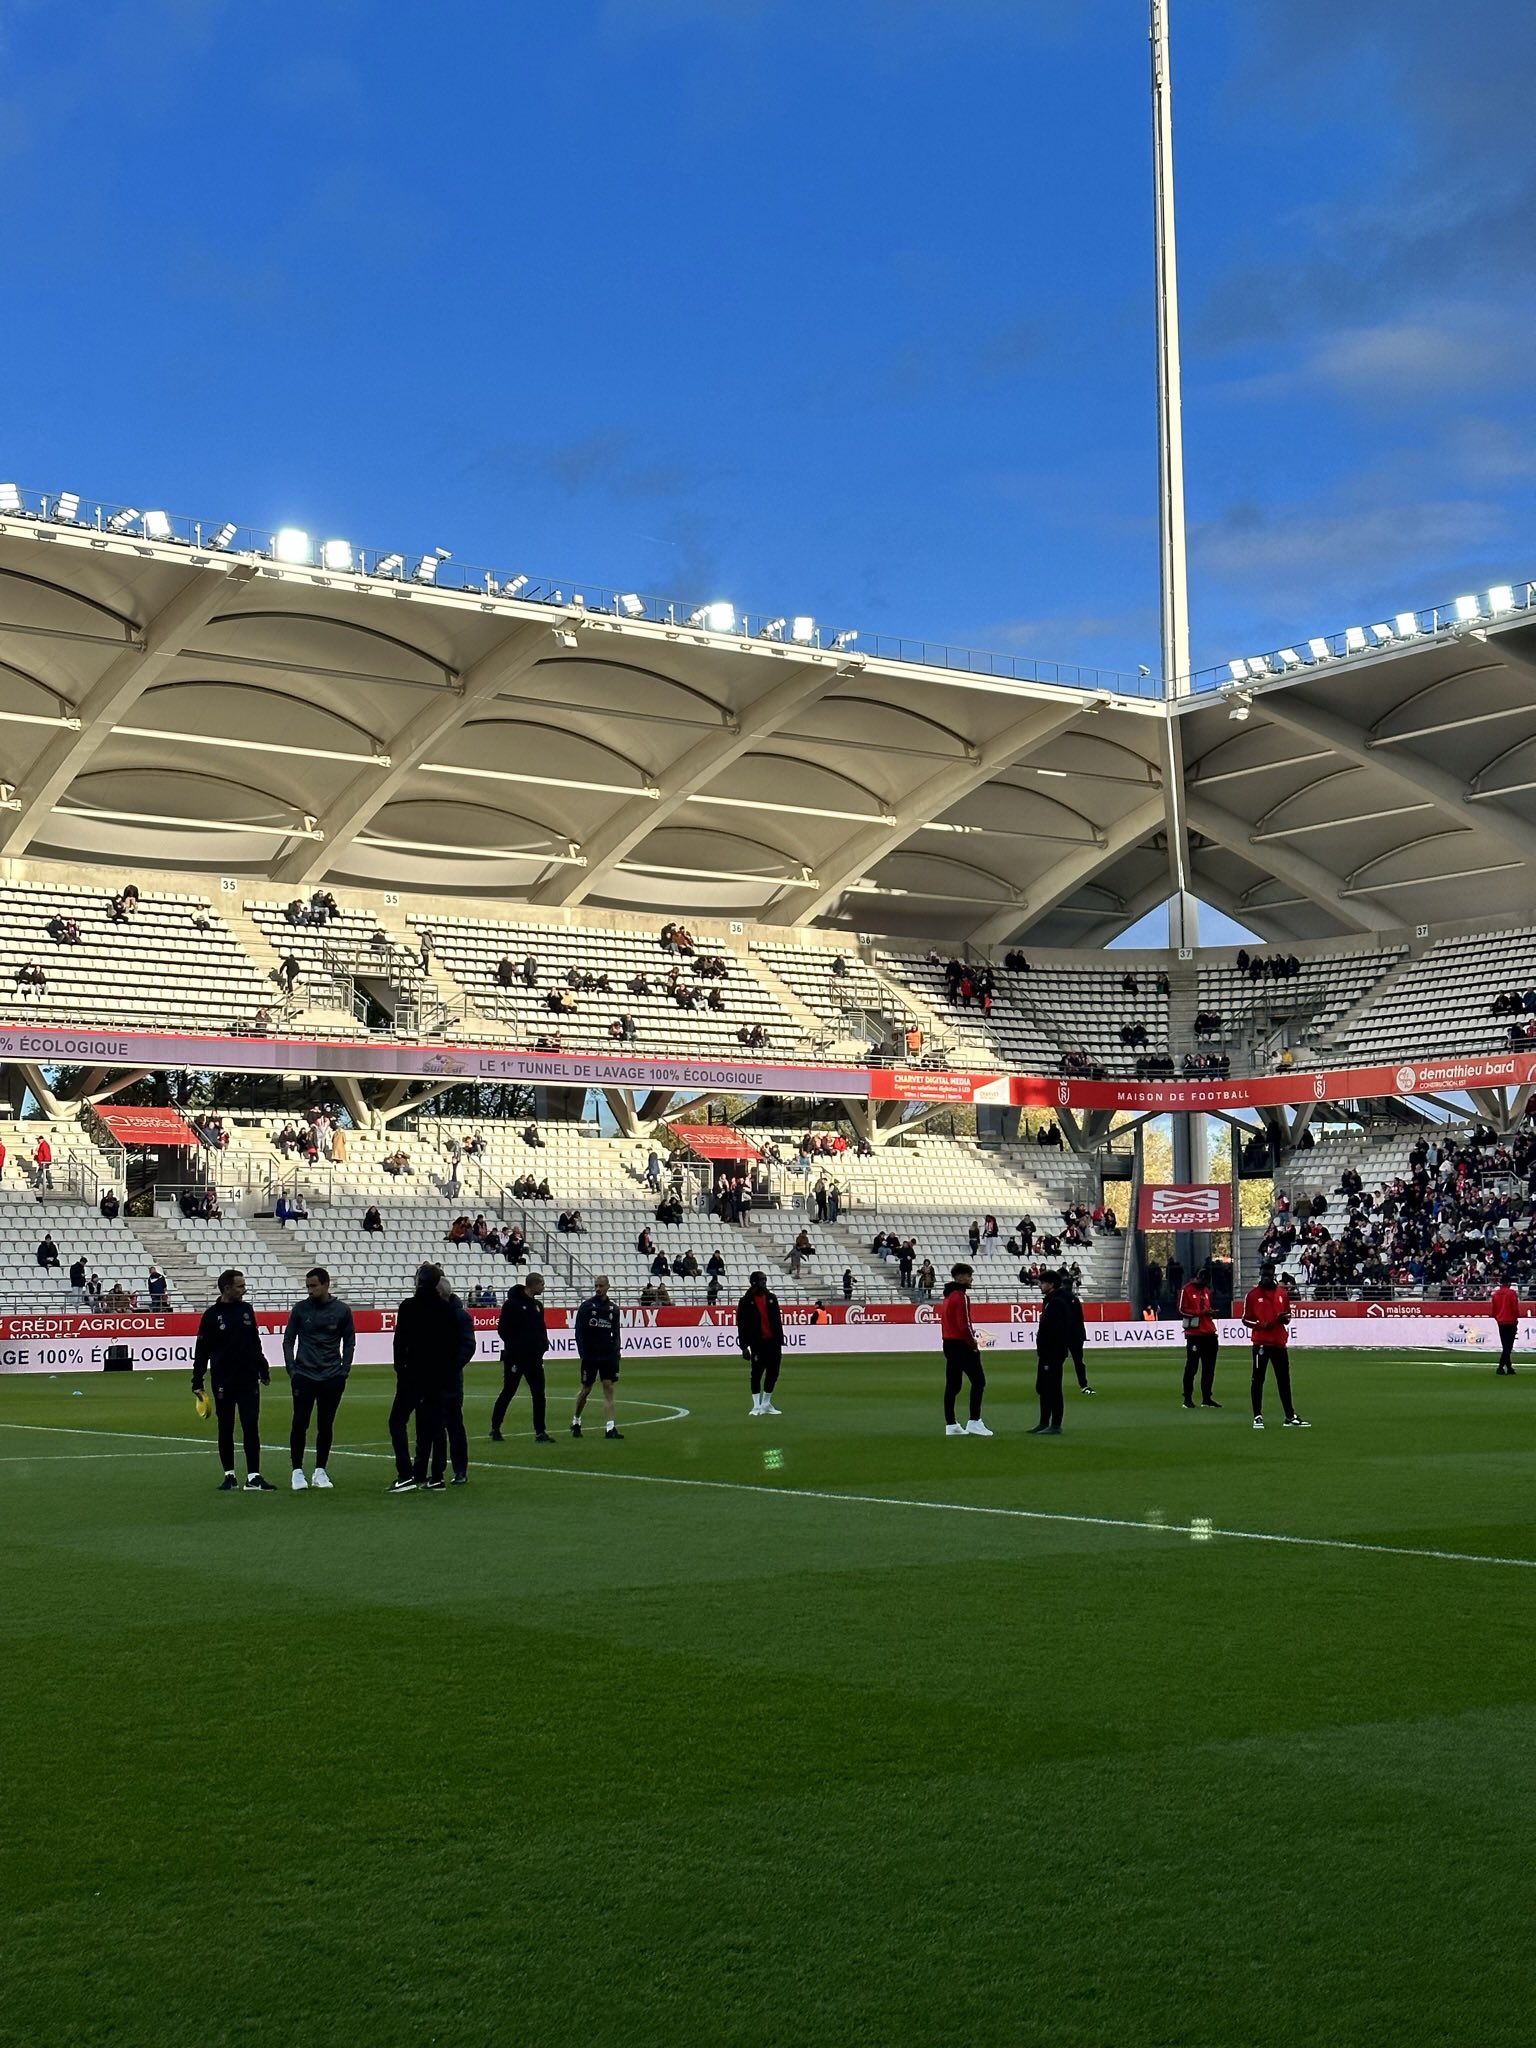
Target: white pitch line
<point>90,1457</point>
<point>888,1500</point>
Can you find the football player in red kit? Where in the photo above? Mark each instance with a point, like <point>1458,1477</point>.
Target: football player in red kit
<point>1267,1312</point>
<point>1506,1316</point>
<point>1195,1307</point>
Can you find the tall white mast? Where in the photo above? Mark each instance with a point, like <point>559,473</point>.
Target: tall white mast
<point>1183,922</point>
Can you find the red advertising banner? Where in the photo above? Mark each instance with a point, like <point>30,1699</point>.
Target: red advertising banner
<point>1202,1205</point>
<point>1297,1084</point>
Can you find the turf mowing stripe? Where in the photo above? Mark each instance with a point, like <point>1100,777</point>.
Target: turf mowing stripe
<point>885,1500</point>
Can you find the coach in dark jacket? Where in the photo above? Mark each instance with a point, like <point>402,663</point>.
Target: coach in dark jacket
<point>434,1341</point>
<point>1053,1345</point>
<point>599,1341</point>
<point>524,1341</point>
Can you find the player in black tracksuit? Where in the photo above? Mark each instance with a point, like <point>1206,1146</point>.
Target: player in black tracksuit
<point>229,1353</point>
<point>524,1341</point>
<point>598,1343</point>
<point>1079,1333</point>
<point>760,1333</point>
<point>434,1341</point>
<point>1053,1345</point>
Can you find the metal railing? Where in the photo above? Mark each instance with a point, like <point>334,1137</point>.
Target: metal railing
<point>1473,613</point>
<point>329,561</point>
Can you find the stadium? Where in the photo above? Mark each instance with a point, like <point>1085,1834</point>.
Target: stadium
<point>361,909</point>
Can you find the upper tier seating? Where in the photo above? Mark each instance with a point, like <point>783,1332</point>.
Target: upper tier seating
<point>1051,1010</point>
<point>841,1000</point>
<point>471,948</point>
<point>1442,1004</point>
<point>154,972</point>
<point>1311,1001</point>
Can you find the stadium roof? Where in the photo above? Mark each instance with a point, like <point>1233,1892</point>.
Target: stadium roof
<point>201,699</point>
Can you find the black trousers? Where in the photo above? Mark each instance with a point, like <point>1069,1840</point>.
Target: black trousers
<point>962,1362</point>
<point>1277,1356</point>
<point>1507,1334</point>
<point>765,1362</point>
<point>244,1399</point>
<point>320,1398</point>
<point>421,1399</point>
<point>1079,1367</point>
<point>1200,1353</point>
<point>512,1377</point>
<point>1048,1373</point>
<point>451,1435</point>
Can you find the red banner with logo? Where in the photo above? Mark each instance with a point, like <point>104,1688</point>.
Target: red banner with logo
<point>1204,1205</point>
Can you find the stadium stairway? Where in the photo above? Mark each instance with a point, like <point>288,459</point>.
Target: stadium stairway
<point>814,1027</point>
<point>285,1248</point>
<point>191,1283</point>
<point>1183,1006</point>
<point>1333,1045</point>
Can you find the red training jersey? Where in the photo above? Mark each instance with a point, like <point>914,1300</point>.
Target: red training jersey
<point>1506,1304</point>
<point>1263,1310</point>
<point>1195,1308</point>
<point>955,1317</point>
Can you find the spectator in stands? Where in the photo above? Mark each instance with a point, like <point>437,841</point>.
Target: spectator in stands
<point>31,977</point>
<point>515,1250</point>
<point>117,1299</point>
<point>458,1231</point>
<point>1128,984</point>
<point>927,1279</point>
<point>110,1206</point>
<point>288,973</point>
<point>64,931</point>
<point>118,911</point>
<point>686,1266</point>
<point>648,1295</point>
<point>208,1205</point>
<point>988,1235</point>
<point>670,1208</point>
<point>906,1259</point>
<point>200,921</point>
<point>847,1283</point>
<point>93,1292</point>
<point>973,1236</point>
<point>799,1252</point>
<point>541,1193</point>
<point>506,973</point>
<point>645,1243</point>
<point>1015,963</point>
<point>755,1035</point>
<point>531,1137</point>
<point>1163,985</point>
<point>491,1242</point>
<point>297,1210</point>
<point>42,1165</point>
<point>295,913</point>
<point>478,1228</point>
<point>623,1028</point>
<point>660,1266</point>
<point>281,1211</point>
<point>47,1252</point>
<point>379,943</point>
<point>77,1279</point>
<point>716,1266</point>
<point>157,1288</point>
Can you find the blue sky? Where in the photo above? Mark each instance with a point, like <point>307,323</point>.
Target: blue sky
<point>842,308</point>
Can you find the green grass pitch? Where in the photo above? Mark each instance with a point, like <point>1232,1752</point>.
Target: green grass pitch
<point>744,1755</point>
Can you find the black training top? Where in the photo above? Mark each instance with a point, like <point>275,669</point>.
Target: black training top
<point>229,1345</point>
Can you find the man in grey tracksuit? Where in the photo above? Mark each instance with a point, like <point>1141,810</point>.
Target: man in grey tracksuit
<point>317,1350</point>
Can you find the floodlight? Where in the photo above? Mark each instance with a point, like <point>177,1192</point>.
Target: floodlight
<point>1354,639</point>
<point>844,639</point>
<point>1467,609</point>
<point>565,636</point>
<point>10,499</point>
<point>157,526</point>
<point>802,631</point>
<point>1142,671</point>
<point>389,565</point>
<point>1239,671</point>
<point>632,606</point>
<point>1319,650</point>
<point>772,629</point>
<point>121,521</point>
<point>425,570</point>
<point>291,545</point>
<point>1406,625</point>
<point>225,535</point>
<point>1289,658</point>
<point>1501,599</point>
<point>1381,635</point>
<point>715,618</point>
<point>1241,709</point>
<point>336,554</point>
<point>1258,668</point>
<point>517,583</point>
<point>67,508</point>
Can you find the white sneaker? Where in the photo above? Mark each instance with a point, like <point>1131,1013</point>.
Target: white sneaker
<point>977,1428</point>
<point>1295,1422</point>
<point>757,1405</point>
<point>1258,1422</point>
<point>299,1482</point>
<point>768,1407</point>
<point>954,1429</point>
<point>321,1479</point>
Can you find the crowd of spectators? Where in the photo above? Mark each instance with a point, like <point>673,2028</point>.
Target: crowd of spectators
<point>321,909</point>
<point>314,1136</point>
<point>1197,1063</point>
<point>1456,1221</point>
<point>1268,966</point>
